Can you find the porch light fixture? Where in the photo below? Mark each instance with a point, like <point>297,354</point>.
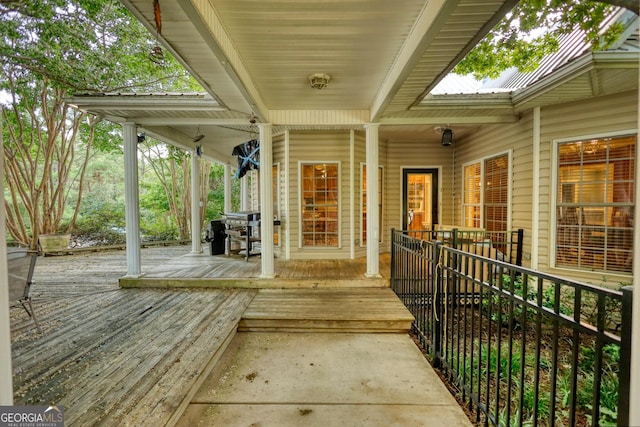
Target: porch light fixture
<point>447,137</point>
<point>319,80</point>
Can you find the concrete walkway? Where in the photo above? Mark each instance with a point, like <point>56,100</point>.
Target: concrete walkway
<point>323,379</point>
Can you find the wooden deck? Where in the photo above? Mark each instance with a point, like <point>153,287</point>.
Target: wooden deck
<point>202,270</point>
<point>116,356</point>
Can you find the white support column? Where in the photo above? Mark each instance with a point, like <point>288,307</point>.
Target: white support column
<point>6,372</point>
<point>132,198</point>
<point>352,195</point>
<point>227,189</point>
<point>266,201</point>
<point>244,193</point>
<point>196,230</point>
<point>373,220</point>
<point>535,190</point>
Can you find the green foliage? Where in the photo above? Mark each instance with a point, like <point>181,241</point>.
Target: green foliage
<point>531,31</point>
<point>101,220</point>
<point>83,45</point>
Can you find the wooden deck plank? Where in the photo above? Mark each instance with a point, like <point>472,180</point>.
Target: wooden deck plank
<point>169,396</point>
<point>321,310</point>
<point>129,373</point>
<point>105,353</point>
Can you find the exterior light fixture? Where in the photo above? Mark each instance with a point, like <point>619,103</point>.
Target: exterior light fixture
<point>447,137</point>
<point>319,80</point>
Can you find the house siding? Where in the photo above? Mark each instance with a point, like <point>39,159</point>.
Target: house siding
<point>414,154</point>
<point>319,147</point>
<point>596,116</point>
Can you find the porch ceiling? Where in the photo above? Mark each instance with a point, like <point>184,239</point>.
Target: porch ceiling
<point>255,55</point>
<point>253,58</point>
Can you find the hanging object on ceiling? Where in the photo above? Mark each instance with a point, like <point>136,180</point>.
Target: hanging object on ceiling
<point>199,151</point>
<point>319,80</point>
<point>248,157</point>
<point>158,16</point>
<point>198,136</point>
<point>447,137</point>
<point>157,54</point>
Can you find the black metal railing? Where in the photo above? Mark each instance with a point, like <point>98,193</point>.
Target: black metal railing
<point>500,245</point>
<point>520,347</point>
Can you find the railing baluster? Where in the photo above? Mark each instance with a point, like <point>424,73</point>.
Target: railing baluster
<point>438,284</point>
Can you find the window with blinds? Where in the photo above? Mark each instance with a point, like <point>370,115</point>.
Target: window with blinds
<point>594,204</point>
<point>496,193</point>
<point>486,193</point>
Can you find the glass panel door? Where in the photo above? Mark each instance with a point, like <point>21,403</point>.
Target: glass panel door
<point>420,205</point>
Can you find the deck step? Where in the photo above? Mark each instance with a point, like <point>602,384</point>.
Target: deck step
<point>249,283</point>
<point>363,310</point>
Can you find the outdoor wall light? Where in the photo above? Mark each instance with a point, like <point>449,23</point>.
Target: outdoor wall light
<point>447,137</point>
<point>319,80</point>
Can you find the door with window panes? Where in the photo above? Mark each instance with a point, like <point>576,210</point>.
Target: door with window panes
<point>320,196</point>
<point>420,199</point>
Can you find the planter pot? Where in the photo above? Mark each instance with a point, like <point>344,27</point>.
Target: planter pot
<point>54,243</point>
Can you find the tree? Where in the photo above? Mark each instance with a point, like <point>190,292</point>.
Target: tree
<point>172,167</point>
<point>531,30</point>
<point>50,48</point>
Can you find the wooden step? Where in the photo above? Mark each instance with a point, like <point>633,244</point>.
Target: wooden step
<point>362,310</point>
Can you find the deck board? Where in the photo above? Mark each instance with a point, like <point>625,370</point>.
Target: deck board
<point>106,356</point>
<point>326,309</point>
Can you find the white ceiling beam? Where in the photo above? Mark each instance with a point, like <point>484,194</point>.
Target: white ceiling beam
<point>187,121</point>
<point>424,30</point>
<point>185,142</point>
<point>140,102</point>
<point>209,25</point>
<point>460,120</point>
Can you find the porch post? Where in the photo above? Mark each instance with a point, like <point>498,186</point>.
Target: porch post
<point>266,201</point>
<point>132,198</point>
<point>6,372</point>
<point>196,231</point>
<point>227,189</point>
<point>373,219</point>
